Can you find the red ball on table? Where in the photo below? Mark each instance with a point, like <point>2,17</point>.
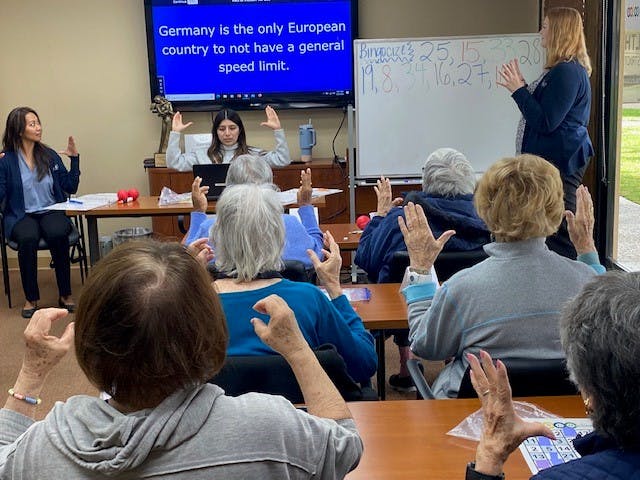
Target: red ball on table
<point>362,221</point>
<point>134,193</point>
<point>123,195</point>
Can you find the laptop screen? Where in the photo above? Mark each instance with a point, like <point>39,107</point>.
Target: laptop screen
<point>214,175</point>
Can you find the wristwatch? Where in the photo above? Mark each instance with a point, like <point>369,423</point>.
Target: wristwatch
<point>473,475</point>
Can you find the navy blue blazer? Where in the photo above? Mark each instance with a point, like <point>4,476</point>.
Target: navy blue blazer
<point>557,114</point>
<point>11,193</point>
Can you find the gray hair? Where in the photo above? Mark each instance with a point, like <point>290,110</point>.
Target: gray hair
<point>600,332</point>
<point>249,231</point>
<point>249,168</point>
<point>448,173</point>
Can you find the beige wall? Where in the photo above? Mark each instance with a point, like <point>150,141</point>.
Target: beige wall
<point>82,64</point>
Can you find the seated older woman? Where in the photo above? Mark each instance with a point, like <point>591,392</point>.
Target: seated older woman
<point>251,169</point>
<point>150,332</point>
<point>448,181</point>
<point>249,236</point>
<point>510,303</point>
<point>600,333</point>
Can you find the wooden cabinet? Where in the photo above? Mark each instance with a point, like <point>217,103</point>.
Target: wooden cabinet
<point>325,173</point>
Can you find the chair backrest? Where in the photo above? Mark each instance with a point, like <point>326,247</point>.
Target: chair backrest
<point>529,378</point>
<point>296,271</point>
<point>272,374</point>
<point>446,264</point>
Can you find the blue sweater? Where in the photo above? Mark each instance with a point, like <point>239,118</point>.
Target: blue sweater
<point>601,459</point>
<point>382,236</point>
<point>321,321</point>
<point>298,236</point>
<point>64,182</point>
<point>556,115</point>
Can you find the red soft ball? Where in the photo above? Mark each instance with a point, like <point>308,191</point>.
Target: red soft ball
<point>123,195</point>
<point>362,221</point>
<point>134,193</point>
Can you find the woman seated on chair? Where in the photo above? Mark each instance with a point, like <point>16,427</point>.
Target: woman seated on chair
<point>249,236</point>
<point>600,333</point>
<point>300,234</point>
<point>33,177</point>
<point>150,332</point>
<point>510,303</point>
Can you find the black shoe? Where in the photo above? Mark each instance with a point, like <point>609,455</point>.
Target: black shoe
<point>403,384</point>
<point>28,312</point>
<point>71,307</point>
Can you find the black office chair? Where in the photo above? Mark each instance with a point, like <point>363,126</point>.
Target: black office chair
<point>76,243</point>
<point>272,374</point>
<point>446,264</point>
<point>548,377</point>
<point>293,270</point>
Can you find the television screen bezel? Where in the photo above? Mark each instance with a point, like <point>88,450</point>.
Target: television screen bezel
<point>277,100</point>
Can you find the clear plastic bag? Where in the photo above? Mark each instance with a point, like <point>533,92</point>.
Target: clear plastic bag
<point>471,427</point>
<point>169,197</point>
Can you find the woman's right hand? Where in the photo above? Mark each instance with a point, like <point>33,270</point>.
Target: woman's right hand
<point>199,195</point>
<point>580,225</point>
<point>44,351</point>
<point>176,123</point>
<point>511,76</point>
<point>328,271</point>
<point>384,194</point>
<point>282,333</point>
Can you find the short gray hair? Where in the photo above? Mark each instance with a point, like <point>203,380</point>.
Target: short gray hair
<point>249,231</point>
<point>448,173</point>
<point>600,332</point>
<point>249,168</point>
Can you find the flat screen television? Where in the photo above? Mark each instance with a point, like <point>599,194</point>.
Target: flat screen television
<point>245,54</point>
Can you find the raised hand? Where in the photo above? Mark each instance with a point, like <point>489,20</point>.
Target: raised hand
<point>201,251</point>
<point>44,351</point>
<point>503,430</point>
<point>71,150</point>
<point>512,78</point>
<point>328,270</point>
<point>580,225</point>
<point>273,122</point>
<point>423,248</point>
<point>305,191</point>
<point>176,123</point>
<point>384,194</point>
<point>199,195</point>
<point>282,333</point>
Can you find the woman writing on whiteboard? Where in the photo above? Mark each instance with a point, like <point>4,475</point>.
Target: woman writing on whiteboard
<point>228,141</point>
<point>555,108</point>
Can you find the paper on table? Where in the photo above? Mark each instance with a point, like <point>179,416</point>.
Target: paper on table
<point>354,294</point>
<point>86,202</point>
<point>291,195</point>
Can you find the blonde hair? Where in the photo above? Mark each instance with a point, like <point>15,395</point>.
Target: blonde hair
<point>565,40</point>
<point>520,198</point>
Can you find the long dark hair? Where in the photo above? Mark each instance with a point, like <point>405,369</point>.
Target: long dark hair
<point>12,139</point>
<point>215,150</point>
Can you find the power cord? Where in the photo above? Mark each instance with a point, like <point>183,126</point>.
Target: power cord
<point>333,143</point>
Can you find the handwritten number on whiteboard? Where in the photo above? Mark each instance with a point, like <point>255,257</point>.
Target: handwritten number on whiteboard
<point>428,48</point>
<point>496,47</point>
<point>537,55</point>
<point>508,45</point>
<point>411,75</point>
<point>464,70</point>
<point>387,83</point>
<point>469,52</point>
<point>443,51</point>
<point>526,49</point>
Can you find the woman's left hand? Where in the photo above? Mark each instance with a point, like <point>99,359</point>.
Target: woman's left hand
<point>43,350</point>
<point>273,122</point>
<point>72,150</point>
<point>201,251</point>
<point>511,76</point>
<point>305,192</point>
<point>503,430</point>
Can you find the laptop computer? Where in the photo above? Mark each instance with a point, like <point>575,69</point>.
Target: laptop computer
<point>213,175</point>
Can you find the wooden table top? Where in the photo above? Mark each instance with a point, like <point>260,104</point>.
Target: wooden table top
<point>406,439</point>
<point>148,206</point>
<point>386,308</point>
<point>347,235</point>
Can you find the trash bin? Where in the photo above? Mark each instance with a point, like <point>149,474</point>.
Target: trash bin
<point>133,233</point>
<point>106,245</point>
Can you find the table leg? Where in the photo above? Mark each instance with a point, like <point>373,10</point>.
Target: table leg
<point>381,374</point>
<point>94,246</point>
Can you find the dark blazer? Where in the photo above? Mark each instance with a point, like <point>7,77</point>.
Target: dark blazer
<point>64,182</point>
<point>557,114</point>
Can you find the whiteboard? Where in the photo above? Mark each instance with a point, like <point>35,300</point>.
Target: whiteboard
<point>416,95</point>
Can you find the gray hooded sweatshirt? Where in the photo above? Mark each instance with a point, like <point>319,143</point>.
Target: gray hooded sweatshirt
<point>195,433</point>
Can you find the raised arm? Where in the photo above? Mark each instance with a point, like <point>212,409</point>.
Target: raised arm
<point>283,335</point>
<point>580,227</point>
<point>280,156</point>
<point>175,158</point>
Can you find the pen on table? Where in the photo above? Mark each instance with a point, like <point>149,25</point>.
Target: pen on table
<point>73,200</point>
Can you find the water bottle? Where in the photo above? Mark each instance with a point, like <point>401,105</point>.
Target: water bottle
<point>307,136</point>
